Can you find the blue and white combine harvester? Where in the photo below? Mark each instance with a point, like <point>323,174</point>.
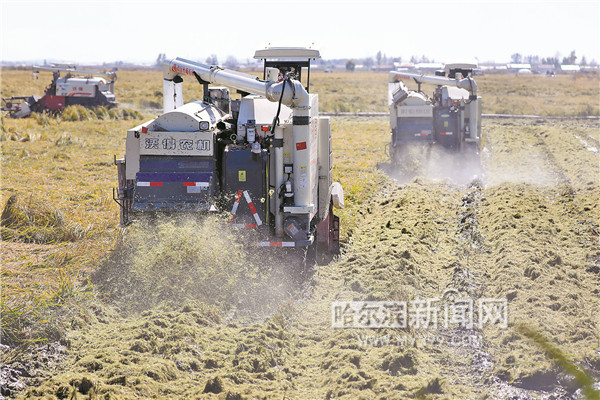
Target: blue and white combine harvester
<point>264,158</point>
<point>450,119</point>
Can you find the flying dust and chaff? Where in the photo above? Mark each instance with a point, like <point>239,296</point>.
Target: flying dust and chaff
<point>434,163</point>
<point>171,260</point>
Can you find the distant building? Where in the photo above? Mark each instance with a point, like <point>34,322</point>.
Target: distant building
<point>517,68</point>
<point>589,68</point>
<point>493,68</point>
<point>570,68</point>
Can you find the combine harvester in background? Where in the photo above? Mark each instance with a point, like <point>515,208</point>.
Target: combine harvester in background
<point>265,159</point>
<point>451,119</point>
<point>76,87</point>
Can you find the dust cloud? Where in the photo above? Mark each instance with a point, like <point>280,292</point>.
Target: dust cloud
<point>169,261</point>
<point>434,163</point>
<point>437,164</point>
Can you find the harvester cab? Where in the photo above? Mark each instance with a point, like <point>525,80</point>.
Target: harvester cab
<point>450,118</point>
<point>265,159</point>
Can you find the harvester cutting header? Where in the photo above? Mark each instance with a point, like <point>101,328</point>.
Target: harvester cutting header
<point>76,87</point>
<point>450,119</point>
<point>265,159</point>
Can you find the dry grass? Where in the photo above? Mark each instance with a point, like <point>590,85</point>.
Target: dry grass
<point>44,290</point>
<point>80,113</point>
<point>359,146</point>
<point>576,95</point>
<point>35,222</point>
<point>56,191</point>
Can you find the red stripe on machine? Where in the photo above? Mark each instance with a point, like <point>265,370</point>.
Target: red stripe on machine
<point>301,146</point>
<point>146,184</point>
<point>201,184</point>
<point>276,244</point>
<point>244,226</point>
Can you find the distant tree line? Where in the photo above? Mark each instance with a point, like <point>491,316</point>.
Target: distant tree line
<point>381,59</point>
<point>517,58</point>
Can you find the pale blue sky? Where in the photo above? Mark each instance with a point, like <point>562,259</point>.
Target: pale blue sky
<point>136,31</point>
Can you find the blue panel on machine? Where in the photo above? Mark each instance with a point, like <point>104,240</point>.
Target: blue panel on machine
<point>173,191</point>
<point>411,130</point>
<point>173,176</point>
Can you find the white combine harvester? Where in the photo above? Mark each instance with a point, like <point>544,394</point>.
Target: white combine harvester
<point>451,119</point>
<point>265,159</point>
<point>76,87</point>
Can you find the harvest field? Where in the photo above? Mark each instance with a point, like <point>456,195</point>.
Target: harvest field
<point>179,309</point>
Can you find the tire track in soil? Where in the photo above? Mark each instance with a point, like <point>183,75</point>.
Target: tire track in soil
<point>471,279</point>
<point>589,147</point>
<point>547,286</point>
<point>466,368</point>
<point>551,240</point>
<point>403,250</point>
<point>467,280</point>
<point>557,184</point>
<point>471,365</point>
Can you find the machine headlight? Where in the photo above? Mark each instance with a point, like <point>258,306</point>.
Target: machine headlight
<point>204,125</point>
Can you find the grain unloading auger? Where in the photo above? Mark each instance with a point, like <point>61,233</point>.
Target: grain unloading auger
<point>450,119</point>
<point>76,87</point>
<point>265,159</point>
